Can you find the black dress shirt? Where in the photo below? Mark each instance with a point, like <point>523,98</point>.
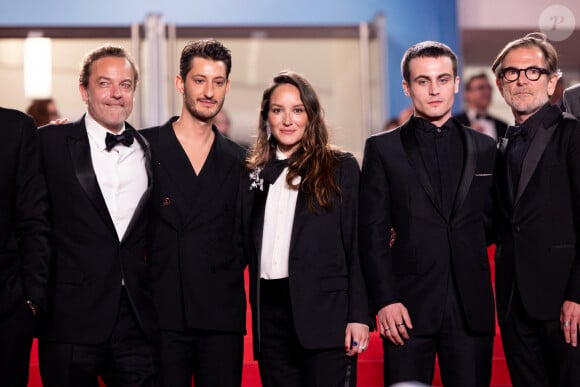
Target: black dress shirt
<point>443,154</point>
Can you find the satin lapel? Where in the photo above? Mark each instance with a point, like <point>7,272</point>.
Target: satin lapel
<point>257,218</point>
<point>80,153</point>
<point>414,156</point>
<point>533,156</point>
<point>145,197</point>
<point>468,170</point>
<point>301,214</point>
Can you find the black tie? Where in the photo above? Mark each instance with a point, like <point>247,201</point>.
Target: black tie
<point>273,169</point>
<point>126,138</point>
<point>514,131</point>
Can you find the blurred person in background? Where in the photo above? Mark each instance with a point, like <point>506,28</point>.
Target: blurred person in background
<point>477,94</point>
<point>43,111</point>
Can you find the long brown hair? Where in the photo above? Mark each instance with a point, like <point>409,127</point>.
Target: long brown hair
<point>314,160</point>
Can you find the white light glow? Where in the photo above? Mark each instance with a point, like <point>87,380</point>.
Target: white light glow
<point>37,67</point>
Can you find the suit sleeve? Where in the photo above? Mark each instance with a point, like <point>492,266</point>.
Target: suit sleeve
<point>374,229</point>
<point>32,229</point>
<point>358,308</point>
<point>573,156</point>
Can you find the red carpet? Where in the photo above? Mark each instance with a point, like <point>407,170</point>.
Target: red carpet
<point>370,364</point>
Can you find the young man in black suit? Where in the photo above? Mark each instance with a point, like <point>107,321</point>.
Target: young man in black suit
<point>477,93</point>
<point>429,180</point>
<point>24,246</point>
<point>100,319</point>
<point>196,270</point>
<point>538,213</point>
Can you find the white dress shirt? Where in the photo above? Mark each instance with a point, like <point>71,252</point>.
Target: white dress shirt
<point>278,221</point>
<point>121,174</point>
<point>483,125</point>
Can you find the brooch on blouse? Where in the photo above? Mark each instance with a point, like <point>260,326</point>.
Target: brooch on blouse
<point>255,180</point>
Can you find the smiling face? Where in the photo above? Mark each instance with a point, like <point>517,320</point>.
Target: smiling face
<point>432,88</point>
<point>204,88</point>
<point>287,117</point>
<point>526,97</point>
<point>109,92</point>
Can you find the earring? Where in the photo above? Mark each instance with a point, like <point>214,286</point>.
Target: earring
<point>268,131</point>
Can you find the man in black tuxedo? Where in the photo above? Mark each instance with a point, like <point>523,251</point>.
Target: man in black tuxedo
<point>477,93</point>
<point>24,246</point>
<point>196,270</point>
<point>538,213</point>
<point>571,99</point>
<point>100,319</point>
<point>429,179</point>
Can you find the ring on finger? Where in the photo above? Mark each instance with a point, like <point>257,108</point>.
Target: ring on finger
<point>566,324</point>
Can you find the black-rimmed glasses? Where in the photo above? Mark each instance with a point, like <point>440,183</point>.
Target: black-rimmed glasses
<point>533,73</point>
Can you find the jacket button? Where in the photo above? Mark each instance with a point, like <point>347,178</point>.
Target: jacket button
<point>166,201</point>
<point>516,228</point>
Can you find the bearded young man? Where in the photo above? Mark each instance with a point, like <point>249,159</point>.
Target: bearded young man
<point>196,271</point>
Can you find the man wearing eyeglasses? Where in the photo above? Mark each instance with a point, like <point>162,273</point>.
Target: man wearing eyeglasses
<point>537,187</point>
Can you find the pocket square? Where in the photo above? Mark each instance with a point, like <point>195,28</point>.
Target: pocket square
<point>483,174</point>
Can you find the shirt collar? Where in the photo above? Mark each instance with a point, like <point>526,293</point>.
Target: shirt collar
<point>279,154</point>
<point>98,132</point>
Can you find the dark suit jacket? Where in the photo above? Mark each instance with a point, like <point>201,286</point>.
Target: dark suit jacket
<point>24,247</point>
<point>539,234</point>
<point>327,288</point>
<point>396,192</point>
<point>571,99</point>
<point>88,260</point>
<point>196,271</point>
<point>500,126</point>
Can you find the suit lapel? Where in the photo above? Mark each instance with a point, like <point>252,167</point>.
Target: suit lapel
<point>533,156</point>
<point>301,214</point>
<point>171,158</point>
<point>468,170</point>
<point>145,197</point>
<point>257,218</point>
<point>411,148</point>
<point>78,145</point>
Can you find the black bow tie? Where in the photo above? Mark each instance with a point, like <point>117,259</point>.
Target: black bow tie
<point>273,169</point>
<point>514,131</point>
<point>126,138</point>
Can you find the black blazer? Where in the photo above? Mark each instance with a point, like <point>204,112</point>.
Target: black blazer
<point>396,192</point>
<point>24,247</point>
<point>196,271</point>
<point>88,260</point>
<point>500,126</point>
<point>539,234</point>
<point>327,288</point>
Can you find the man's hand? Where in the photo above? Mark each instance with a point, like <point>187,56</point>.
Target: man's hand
<point>356,338</point>
<point>394,320</point>
<point>59,121</point>
<point>569,318</point>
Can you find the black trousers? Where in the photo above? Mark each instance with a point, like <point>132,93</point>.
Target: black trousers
<point>464,358</point>
<point>126,359</point>
<point>536,352</point>
<point>214,359</point>
<point>16,333</point>
<point>283,361</point>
